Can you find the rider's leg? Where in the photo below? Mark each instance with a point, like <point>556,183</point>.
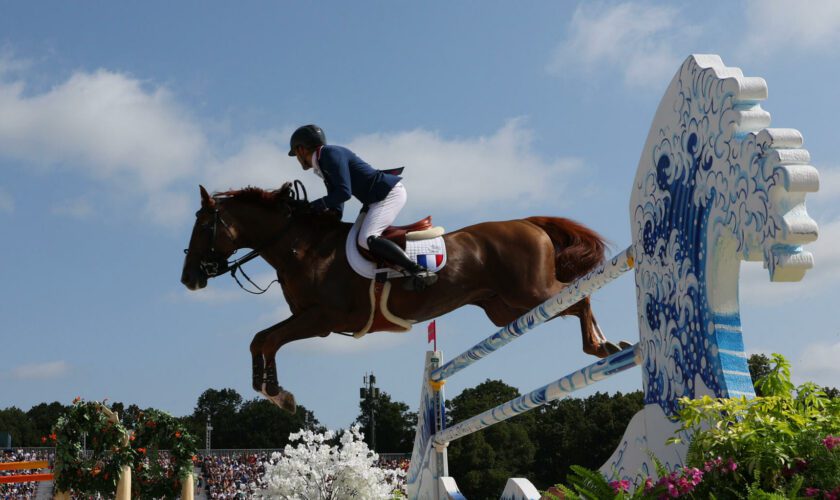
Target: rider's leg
<point>381,215</point>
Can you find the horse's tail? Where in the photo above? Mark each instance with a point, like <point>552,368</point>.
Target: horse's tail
<point>577,249</point>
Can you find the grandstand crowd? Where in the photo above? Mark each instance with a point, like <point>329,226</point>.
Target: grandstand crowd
<point>229,476</point>
<point>21,491</point>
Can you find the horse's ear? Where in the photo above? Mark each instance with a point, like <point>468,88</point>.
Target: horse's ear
<point>206,199</point>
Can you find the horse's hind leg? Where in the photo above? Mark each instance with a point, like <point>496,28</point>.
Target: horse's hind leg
<point>594,340</point>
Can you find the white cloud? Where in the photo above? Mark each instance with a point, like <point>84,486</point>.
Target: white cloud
<point>105,123</point>
<point>262,161</point>
<point>41,371</point>
<point>7,202</point>
<point>77,208</point>
<point>756,287</point>
<point>136,137</point>
<point>820,363</point>
<point>829,188</point>
<point>443,171</point>
<point>636,38</point>
<point>774,25</point>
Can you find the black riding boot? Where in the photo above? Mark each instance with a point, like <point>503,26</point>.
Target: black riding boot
<point>391,253</point>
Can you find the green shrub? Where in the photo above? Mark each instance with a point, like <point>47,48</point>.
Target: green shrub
<point>785,444</point>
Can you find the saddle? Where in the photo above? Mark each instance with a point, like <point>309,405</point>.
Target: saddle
<point>420,230</point>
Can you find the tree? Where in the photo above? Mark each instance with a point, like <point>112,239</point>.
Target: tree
<point>759,367</point>
<point>580,432</point>
<point>264,425</point>
<point>43,417</point>
<point>222,406</point>
<point>14,421</point>
<point>482,462</point>
<point>395,424</point>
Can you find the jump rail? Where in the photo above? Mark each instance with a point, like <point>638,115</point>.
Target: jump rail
<point>25,478</point>
<point>583,287</point>
<point>713,187</point>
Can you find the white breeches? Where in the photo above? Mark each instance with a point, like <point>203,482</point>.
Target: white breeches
<point>382,214</point>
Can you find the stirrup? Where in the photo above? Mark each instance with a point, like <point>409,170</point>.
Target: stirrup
<point>419,281</point>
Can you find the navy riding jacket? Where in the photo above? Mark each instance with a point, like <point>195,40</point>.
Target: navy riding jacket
<point>345,175</point>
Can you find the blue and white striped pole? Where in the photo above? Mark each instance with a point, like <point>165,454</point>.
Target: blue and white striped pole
<point>558,389</point>
<point>569,296</point>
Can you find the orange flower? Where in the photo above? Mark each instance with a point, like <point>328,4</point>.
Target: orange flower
<point>53,436</point>
<point>131,438</point>
<point>77,399</point>
<point>178,435</point>
<point>43,439</point>
<point>142,450</point>
<point>195,458</point>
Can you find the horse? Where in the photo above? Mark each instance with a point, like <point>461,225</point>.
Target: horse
<point>506,268</point>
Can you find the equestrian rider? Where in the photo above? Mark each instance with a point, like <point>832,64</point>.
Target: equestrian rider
<point>345,175</point>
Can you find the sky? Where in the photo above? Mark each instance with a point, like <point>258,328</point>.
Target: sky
<point>112,114</point>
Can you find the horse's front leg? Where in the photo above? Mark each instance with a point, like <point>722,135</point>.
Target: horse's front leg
<point>264,347</point>
<point>257,360</point>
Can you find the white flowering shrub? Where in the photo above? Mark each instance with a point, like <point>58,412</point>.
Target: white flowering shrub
<point>314,470</point>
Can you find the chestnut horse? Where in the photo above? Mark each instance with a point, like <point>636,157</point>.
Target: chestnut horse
<point>506,268</point>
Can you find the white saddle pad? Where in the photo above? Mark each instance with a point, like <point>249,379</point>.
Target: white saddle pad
<point>430,254</point>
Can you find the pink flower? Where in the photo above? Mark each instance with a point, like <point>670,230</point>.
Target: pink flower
<point>696,475</point>
<point>620,486</point>
<point>812,492</point>
<point>831,442</point>
<point>732,466</point>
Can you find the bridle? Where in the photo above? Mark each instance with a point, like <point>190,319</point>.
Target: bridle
<point>215,264</point>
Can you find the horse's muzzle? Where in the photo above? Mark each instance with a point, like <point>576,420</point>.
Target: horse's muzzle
<point>193,279</point>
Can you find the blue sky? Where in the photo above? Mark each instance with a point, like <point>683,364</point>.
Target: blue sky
<point>112,114</point>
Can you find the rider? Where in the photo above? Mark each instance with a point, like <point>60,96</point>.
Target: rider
<point>346,174</point>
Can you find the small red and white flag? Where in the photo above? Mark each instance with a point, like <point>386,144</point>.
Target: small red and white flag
<point>432,334</point>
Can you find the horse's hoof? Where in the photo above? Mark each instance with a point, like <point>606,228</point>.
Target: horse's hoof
<point>284,399</point>
<point>607,349</point>
<point>624,345</point>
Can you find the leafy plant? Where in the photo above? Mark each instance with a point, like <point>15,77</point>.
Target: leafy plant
<point>785,444</point>
<point>106,437</point>
<point>157,476</point>
<point>786,434</point>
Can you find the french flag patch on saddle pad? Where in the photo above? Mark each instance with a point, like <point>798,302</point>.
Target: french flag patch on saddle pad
<point>432,262</point>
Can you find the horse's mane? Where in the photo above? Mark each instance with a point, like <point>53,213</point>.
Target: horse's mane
<point>287,197</point>
<point>258,196</point>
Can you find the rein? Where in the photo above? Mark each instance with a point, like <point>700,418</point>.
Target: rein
<point>219,266</point>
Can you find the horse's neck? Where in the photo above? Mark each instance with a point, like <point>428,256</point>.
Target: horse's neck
<point>284,242</point>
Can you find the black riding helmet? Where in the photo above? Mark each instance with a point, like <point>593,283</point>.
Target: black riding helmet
<point>310,136</point>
